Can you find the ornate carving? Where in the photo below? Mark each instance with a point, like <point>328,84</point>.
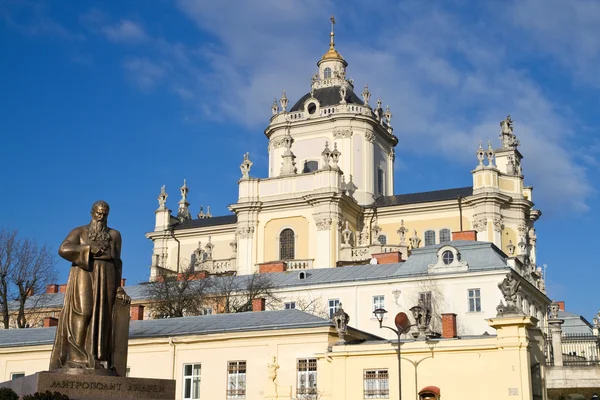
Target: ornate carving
<point>346,235</point>
<point>183,213</point>
<point>199,254</point>
<point>275,107</point>
<point>370,136</point>
<point>393,155</point>
<point>245,166</point>
<point>343,90</point>
<point>340,320</point>
<point>522,228</point>
<point>162,198</point>
<point>480,155</point>
<point>202,215</point>
<point>234,246</point>
<point>366,95</point>
<point>277,142</point>
<point>339,133</point>
<point>507,137</point>
<point>283,101</point>
<point>326,154</point>
<point>209,249</point>
<point>402,232</point>
<point>498,224</point>
<point>376,230</point>
<point>272,369</point>
<point>553,309</point>
<point>245,232</point>
<point>510,247</point>
<point>335,156</point>
<point>414,241</point>
<point>510,289</point>
<point>490,155</point>
<point>323,223</point>
<point>479,223</point>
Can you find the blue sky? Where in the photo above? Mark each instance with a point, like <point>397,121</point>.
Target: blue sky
<point>112,100</point>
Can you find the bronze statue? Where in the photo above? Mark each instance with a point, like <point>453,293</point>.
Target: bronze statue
<point>86,337</point>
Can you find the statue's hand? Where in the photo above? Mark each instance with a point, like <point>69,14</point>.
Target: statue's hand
<point>95,250</point>
<point>121,295</point>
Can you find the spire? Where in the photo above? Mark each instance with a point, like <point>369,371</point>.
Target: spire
<point>332,53</point>
<point>288,166</point>
<point>245,166</point>
<point>183,214</point>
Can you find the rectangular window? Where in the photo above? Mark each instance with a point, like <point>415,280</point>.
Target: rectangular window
<point>290,306</point>
<point>376,384</point>
<point>17,375</point>
<point>307,379</point>
<point>236,380</point>
<point>474,300</point>
<point>378,302</point>
<point>207,311</point>
<point>425,300</point>
<point>191,381</point>
<point>380,182</point>
<point>333,305</point>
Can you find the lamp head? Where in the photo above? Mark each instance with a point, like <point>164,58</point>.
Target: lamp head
<point>379,313</point>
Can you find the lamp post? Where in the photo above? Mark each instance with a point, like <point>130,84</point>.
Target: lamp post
<point>402,324</point>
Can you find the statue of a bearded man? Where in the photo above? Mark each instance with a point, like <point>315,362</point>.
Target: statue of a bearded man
<point>85,340</point>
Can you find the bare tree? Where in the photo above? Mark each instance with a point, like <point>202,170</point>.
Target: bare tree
<point>311,305</point>
<point>237,292</point>
<point>25,270</point>
<point>178,295</point>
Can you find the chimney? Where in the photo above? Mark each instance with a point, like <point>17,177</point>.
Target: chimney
<point>52,288</point>
<point>449,325</point>
<point>137,312</point>
<point>561,305</point>
<point>388,258</point>
<point>123,282</point>
<point>258,304</point>
<point>273,266</point>
<point>464,235</point>
<point>50,321</point>
<point>62,288</point>
<point>30,292</point>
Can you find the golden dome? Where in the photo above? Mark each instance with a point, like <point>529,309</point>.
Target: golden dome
<point>332,54</point>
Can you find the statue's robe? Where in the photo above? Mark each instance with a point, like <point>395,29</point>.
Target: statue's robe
<point>84,335</point>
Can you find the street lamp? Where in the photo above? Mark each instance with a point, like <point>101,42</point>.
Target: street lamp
<point>402,324</point>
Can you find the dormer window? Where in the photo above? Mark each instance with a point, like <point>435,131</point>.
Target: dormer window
<point>327,73</point>
<point>447,257</point>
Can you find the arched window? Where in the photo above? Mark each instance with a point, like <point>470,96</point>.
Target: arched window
<point>327,73</point>
<point>382,239</point>
<point>444,235</point>
<point>286,245</point>
<point>429,238</point>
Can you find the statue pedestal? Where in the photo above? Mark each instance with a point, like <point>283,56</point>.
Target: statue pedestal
<point>93,387</point>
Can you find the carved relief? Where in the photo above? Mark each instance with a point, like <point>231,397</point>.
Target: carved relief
<point>370,137</point>
<point>245,232</point>
<point>479,223</point>
<point>339,133</point>
<point>498,224</point>
<point>323,223</point>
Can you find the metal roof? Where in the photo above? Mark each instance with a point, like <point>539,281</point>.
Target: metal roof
<point>423,197</point>
<point>328,96</point>
<point>213,221</point>
<point>480,256</point>
<point>574,324</point>
<point>199,325</point>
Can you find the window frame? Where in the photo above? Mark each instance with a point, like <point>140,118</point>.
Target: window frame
<point>474,298</point>
<point>384,241</point>
<point>446,231</point>
<point>334,306</point>
<point>381,391</point>
<point>292,243</point>
<point>191,379</point>
<point>425,234</point>
<point>291,304</point>
<point>308,392</point>
<point>240,380</point>
<point>327,73</point>
<point>377,304</point>
<point>427,302</point>
<point>20,375</point>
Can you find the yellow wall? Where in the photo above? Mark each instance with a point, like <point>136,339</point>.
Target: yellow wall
<point>509,234</point>
<point>271,236</point>
<point>389,229</point>
<point>484,367</point>
<point>506,184</point>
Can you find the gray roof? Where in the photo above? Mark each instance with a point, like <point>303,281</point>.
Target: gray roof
<point>480,256</point>
<point>423,197</point>
<point>574,324</point>
<point>328,96</point>
<point>213,221</point>
<point>200,325</point>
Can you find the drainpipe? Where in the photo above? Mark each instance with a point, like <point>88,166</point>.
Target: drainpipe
<point>173,352</point>
<point>460,212</point>
<point>170,230</point>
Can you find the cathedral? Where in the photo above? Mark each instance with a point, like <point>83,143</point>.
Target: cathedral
<point>329,201</point>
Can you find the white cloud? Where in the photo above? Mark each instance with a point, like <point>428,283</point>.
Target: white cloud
<point>125,31</point>
<point>448,80</point>
<point>144,72</point>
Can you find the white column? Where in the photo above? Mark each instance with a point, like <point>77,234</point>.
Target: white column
<point>245,257</point>
<point>556,334</point>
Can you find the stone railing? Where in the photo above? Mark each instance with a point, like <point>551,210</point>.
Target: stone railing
<point>292,265</point>
<point>217,266</point>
